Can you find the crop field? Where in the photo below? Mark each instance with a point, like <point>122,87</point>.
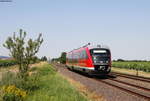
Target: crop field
<point>142,66</point>
<point>6,63</point>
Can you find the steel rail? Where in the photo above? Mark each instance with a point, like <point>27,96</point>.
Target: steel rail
<point>124,89</point>
<point>131,76</point>
<point>139,87</point>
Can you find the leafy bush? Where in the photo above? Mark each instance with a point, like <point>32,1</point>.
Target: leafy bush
<point>23,51</point>
<point>12,93</point>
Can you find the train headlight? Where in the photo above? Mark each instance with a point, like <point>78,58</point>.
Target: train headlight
<point>108,69</point>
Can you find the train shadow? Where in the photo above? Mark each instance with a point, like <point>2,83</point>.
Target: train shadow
<point>106,76</point>
<point>96,76</point>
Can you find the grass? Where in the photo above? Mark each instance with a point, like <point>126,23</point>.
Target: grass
<point>91,95</point>
<point>43,84</point>
<point>53,87</point>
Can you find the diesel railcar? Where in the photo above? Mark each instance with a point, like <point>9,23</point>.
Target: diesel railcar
<point>90,59</point>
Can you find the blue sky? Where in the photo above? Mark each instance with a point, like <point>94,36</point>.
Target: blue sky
<point>123,25</point>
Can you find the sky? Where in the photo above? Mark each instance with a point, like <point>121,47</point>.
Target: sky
<point>123,25</point>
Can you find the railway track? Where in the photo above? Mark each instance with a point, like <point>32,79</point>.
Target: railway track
<point>130,84</point>
<point>134,91</point>
<point>131,76</point>
<point>126,86</point>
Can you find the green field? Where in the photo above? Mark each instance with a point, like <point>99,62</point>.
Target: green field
<point>6,63</point>
<point>142,66</point>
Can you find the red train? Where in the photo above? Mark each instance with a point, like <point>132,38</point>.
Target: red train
<point>90,59</point>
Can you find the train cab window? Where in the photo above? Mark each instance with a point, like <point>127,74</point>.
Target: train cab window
<point>100,55</point>
<point>102,52</point>
<point>99,51</point>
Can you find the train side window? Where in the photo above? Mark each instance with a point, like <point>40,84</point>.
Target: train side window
<point>84,54</point>
<point>80,55</point>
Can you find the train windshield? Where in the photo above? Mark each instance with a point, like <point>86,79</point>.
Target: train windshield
<point>100,54</point>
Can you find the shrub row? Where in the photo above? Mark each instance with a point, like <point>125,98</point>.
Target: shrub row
<point>142,66</point>
<point>6,63</point>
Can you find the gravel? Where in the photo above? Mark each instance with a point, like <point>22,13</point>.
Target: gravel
<point>136,82</point>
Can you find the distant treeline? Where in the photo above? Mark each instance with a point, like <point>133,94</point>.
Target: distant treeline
<point>11,62</point>
<point>61,59</point>
<point>122,60</point>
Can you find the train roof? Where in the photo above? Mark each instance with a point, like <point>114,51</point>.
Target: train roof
<point>89,46</point>
<point>98,46</point>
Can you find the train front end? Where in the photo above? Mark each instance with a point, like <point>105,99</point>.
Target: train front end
<point>101,58</point>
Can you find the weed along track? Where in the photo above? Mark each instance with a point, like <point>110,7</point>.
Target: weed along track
<point>113,88</point>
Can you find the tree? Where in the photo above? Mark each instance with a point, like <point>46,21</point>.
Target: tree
<point>55,60</point>
<point>121,60</point>
<point>23,52</point>
<point>62,58</point>
<point>44,58</point>
<point>35,59</point>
